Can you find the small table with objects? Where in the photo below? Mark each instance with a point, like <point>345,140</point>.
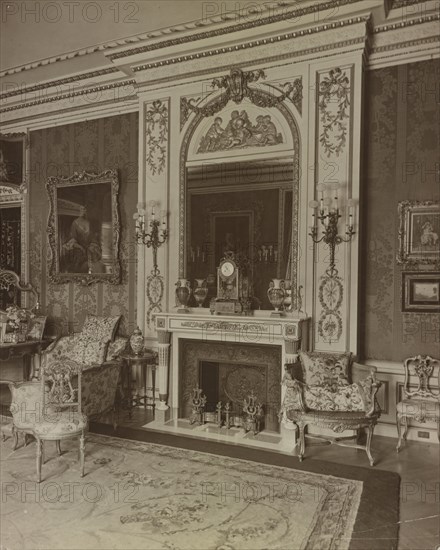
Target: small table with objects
<point>146,359</point>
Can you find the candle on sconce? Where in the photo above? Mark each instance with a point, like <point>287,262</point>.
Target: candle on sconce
<point>321,188</point>
<point>327,202</point>
<point>163,215</point>
<point>351,204</point>
<point>152,205</point>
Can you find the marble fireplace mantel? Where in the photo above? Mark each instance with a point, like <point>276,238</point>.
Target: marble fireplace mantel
<point>291,333</point>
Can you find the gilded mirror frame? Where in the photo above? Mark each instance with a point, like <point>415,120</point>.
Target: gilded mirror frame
<point>84,243</point>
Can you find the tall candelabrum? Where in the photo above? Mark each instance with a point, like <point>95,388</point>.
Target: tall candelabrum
<point>157,233</point>
<point>328,214</point>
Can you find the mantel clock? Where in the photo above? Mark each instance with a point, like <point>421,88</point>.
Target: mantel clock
<point>232,288</point>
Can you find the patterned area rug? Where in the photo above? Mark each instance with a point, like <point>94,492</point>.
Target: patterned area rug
<point>141,495</point>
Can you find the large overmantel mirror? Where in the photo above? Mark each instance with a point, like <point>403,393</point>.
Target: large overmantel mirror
<point>244,208</point>
<point>84,228</point>
<point>241,195</point>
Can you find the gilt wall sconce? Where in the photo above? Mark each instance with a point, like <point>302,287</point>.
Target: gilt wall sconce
<point>151,228</point>
<point>328,213</point>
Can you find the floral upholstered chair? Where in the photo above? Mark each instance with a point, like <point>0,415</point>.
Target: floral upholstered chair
<point>329,391</point>
<point>50,408</point>
<point>421,401</point>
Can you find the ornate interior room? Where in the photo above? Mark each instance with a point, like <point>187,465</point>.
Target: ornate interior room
<point>220,274</point>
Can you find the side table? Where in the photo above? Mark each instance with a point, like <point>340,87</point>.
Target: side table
<point>147,358</point>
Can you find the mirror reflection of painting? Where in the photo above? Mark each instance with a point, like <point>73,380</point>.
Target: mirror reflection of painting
<point>11,161</point>
<point>425,236</point>
<point>232,234</point>
<point>85,228</point>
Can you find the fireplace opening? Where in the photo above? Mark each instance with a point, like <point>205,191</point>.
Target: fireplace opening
<point>229,373</point>
<point>233,383</point>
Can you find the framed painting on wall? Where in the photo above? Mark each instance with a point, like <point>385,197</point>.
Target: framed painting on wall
<point>421,292</point>
<point>419,232</point>
<point>84,228</point>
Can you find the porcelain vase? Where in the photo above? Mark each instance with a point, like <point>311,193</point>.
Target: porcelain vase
<point>276,294</point>
<point>200,291</point>
<point>183,292</point>
<point>137,341</point>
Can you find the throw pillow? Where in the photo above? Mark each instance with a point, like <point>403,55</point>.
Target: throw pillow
<point>325,369</point>
<point>116,348</point>
<point>99,328</point>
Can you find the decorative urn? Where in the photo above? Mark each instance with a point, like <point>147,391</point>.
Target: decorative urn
<point>137,341</point>
<point>200,291</point>
<point>276,294</point>
<point>183,292</point>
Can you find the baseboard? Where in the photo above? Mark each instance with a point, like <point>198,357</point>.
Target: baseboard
<point>390,430</point>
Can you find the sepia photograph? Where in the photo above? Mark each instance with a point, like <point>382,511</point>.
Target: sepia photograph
<point>219,274</point>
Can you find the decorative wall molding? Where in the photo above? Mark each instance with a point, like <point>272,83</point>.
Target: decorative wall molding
<point>264,42</point>
<point>285,15</point>
<point>407,23</point>
<point>23,90</point>
<point>69,95</point>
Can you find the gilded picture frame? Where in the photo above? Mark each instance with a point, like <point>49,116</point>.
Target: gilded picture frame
<point>419,232</point>
<point>421,292</point>
<point>13,159</point>
<point>84,228</point>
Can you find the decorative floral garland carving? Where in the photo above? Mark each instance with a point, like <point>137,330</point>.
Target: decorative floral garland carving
<point>294,92</point>
<point>236,86</point>
<point>334,88</point>
<point>331,293</point>
<point>156,130</point>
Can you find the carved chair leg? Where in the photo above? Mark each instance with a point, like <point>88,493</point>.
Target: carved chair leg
<point>15,435</point>
<point>368,446</point>
<point>405,431</point>
<point>399,431</point>
<point>58,444</point>
<point>82,447</point>
<point>114,418</point>
<point>301,427</point>
<point>39,458</point>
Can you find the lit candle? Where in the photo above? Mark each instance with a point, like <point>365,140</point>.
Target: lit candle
<point>350,220</point>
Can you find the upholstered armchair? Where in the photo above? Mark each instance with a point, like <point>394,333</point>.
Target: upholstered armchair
<point>328,391</point>
<point>97,351</point>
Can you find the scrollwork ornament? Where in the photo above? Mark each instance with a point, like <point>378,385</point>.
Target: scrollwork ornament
<point>154,291</point>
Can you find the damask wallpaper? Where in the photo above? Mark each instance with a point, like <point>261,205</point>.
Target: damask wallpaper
<point>401,163</point>
<point>92,146</point>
